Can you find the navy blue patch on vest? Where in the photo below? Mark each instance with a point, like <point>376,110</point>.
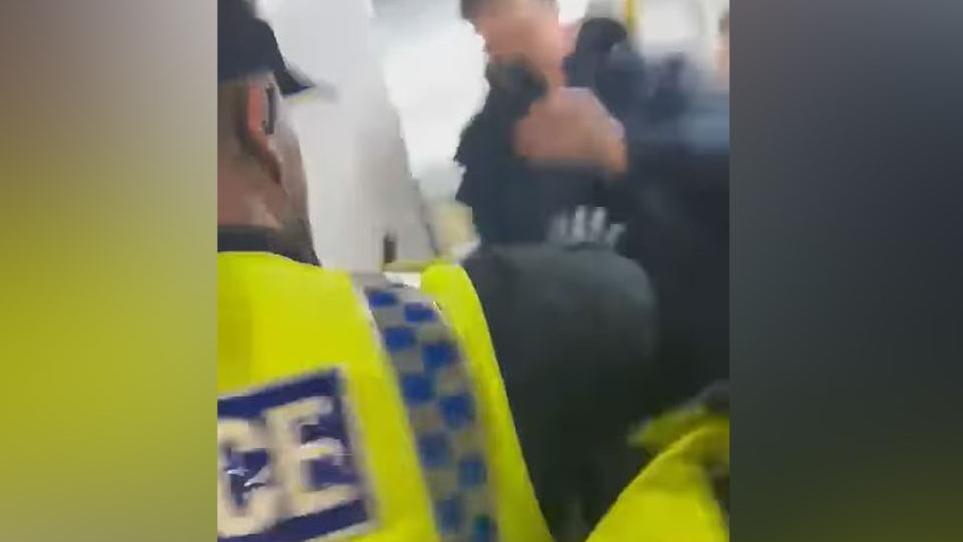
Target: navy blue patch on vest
<point>288,468</point>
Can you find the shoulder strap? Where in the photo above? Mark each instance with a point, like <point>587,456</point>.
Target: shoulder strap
<point>435,386</point>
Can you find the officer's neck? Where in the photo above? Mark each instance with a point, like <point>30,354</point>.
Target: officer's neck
<point>246,238</point>
<point>248,213</point>
<point>241,199</point>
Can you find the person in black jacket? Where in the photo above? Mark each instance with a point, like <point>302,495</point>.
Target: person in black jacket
<point>587,122</point>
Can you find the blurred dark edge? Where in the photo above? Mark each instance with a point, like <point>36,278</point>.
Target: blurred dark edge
<point>845,260</point>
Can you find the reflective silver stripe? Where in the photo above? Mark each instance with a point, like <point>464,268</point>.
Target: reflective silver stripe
<point>441,408</point>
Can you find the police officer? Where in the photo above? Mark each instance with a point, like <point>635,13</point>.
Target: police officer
<point>350,406</point>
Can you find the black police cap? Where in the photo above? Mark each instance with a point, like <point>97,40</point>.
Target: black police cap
<point>246,45</point>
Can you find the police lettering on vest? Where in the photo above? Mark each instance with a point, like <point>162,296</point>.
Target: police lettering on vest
<point>355,408</point>
<point>286,463</point>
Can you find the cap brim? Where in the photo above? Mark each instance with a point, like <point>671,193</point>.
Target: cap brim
<point>292,83</point>
<point>247,45</point>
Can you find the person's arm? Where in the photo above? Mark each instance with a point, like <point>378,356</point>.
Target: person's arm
<point>683,127</point>
<point>467,157</point>
<point>482,159</point>
<point>697,141</point>
<point>673,126</point>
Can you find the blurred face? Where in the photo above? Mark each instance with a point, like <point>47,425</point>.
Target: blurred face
<point>520,30</point>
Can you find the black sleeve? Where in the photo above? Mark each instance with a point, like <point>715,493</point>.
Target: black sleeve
<point>485,152</point>
<point>675,124</point>
<point>481,175</point>
<point>692,148</point>
<point>467,156</point>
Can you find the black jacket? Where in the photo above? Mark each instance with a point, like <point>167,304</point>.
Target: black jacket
<point>673,200</point>
<point>669,119</point>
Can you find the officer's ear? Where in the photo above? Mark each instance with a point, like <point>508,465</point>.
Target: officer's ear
<point>259,122</point>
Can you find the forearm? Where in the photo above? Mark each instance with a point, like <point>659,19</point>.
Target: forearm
<point>699,139</point>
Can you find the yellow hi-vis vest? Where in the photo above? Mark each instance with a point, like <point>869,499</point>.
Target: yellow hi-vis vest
<point>341,414</point>
<point>672,499</point>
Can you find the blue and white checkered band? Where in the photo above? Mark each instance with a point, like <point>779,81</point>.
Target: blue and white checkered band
<point>441,409</point>
<point>287,463</point>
